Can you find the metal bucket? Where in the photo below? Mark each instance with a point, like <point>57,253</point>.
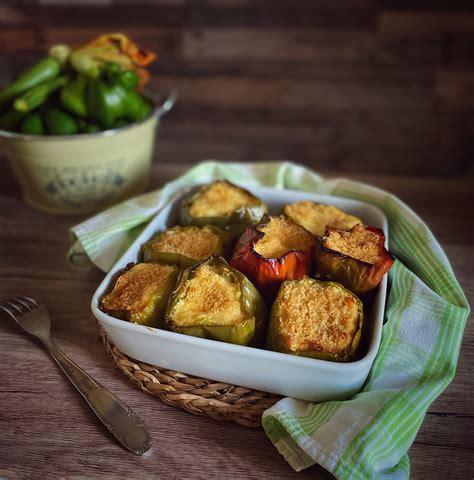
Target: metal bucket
<point>83,173</point>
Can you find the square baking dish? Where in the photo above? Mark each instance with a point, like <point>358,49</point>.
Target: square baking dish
<point>283,374</point>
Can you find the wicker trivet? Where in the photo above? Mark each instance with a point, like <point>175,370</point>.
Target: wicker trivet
<point>200,396</point>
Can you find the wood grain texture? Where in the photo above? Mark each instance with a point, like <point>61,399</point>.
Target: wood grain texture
<point>356,85</point>
<point>46,429</point>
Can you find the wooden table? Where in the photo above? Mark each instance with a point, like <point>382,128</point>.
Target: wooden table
<point>46,430</point>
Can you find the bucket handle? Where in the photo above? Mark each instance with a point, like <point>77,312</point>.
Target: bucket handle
<point>167,104</point>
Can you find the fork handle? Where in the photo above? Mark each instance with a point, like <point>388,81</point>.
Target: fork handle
<point>121,421</point>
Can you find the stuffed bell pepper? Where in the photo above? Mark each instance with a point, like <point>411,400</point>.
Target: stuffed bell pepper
<point>315,217</point>
<point>213,300</point>
<point>140,293</point>
<point>275,250</point>
<point>315,319</point>
<point>222,204</point>
<point>357,258</point>
<point>185,246</point>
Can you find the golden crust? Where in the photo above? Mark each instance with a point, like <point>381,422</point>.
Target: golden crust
<point>282,235</point>
<point>193,242</point>
<point>134,288</point>
<point>210,299</point>
<point>219,199</point>
<point>315,217</point>
<point>315,316</point>
<point>358,243</point>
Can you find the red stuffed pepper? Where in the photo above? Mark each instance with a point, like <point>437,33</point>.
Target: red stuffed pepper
<point>356,258</point>
<point>273,251</point>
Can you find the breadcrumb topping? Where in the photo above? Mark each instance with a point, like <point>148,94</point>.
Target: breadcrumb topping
<point>219,199</point>
<point>358,243</point>
<point>134,288</point>
<point>315,217</point>
<point>317,316</point>
<point>281,235</point>
<point>193,242</point>
<point>212,298</point>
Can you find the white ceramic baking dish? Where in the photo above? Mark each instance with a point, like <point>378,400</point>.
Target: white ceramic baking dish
<point>288,375</point>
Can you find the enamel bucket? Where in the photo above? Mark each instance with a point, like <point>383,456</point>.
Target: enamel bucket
<point>83,173</point>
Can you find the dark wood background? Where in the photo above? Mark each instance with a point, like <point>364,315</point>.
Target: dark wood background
<point>347,86</point>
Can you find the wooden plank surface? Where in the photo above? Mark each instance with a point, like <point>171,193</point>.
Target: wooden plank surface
<point>380,87</point>
<point>47,430</point>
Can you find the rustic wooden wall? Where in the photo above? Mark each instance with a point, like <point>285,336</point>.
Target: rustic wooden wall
<point>347,85</point>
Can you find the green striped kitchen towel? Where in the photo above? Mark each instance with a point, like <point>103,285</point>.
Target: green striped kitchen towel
<point>369,435</point>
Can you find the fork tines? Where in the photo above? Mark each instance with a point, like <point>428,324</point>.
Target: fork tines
<point>19,305</point>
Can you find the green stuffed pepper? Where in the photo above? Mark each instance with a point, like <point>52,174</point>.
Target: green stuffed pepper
<point>214,301</point>
<point>315,319</point>
<point>315,217</point>
<point>222,204</point>
<point>140,293</point>
<point>185,246</point>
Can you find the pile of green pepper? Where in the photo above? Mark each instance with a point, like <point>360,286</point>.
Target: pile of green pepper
<point>55,98</point>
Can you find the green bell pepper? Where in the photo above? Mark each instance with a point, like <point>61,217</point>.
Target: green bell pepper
<point>32,125</point>
<point>106,102</point>
<point>59,122</point>
<point>112,100</point>
<point>73,96</point>
<point>128,79</point>
<point>138,108</point>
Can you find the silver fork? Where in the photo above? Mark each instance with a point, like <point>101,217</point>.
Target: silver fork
<point>121,421</point>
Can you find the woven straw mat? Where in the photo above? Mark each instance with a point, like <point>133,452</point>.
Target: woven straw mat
<point>199,396</point>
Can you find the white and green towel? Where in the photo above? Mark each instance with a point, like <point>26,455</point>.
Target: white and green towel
<point>369,435</point>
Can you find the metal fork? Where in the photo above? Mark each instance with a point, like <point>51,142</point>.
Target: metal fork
<point>121,421</point>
